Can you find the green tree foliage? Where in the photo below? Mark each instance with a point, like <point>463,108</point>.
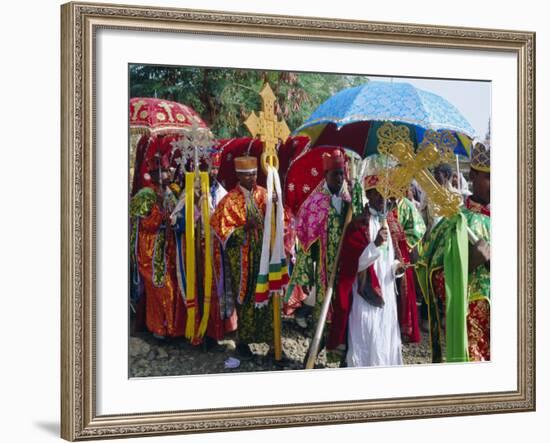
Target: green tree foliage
<point>225,97</point>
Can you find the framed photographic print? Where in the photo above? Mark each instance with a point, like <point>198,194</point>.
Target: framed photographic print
<point>277,221</point>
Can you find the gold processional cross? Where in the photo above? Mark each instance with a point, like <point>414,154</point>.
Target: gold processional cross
<point>395,142</point>
<point>271,131</point>
<point>268,128</point>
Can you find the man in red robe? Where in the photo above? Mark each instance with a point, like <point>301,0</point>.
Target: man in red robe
<point>154,251</point>
<point>216,307</point>
<point>407,229</point>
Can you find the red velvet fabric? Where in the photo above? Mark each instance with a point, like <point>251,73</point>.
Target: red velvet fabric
<point>303,176</point>
<point>356,239</point>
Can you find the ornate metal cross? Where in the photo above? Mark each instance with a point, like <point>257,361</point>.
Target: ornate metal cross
<point>395,142</point>
<point>267,127</point>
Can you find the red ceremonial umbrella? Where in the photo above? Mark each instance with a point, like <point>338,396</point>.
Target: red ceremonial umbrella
<point>290,150</point>
<point>154,116</point>
<point>235,147</point>
<point>163,125</point>
<point>305,173</point>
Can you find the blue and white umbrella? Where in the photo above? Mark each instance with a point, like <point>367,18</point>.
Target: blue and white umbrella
<point>376,102</point>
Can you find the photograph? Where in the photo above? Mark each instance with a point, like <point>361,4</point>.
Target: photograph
<point>273,220</point>
<point>285,220</point>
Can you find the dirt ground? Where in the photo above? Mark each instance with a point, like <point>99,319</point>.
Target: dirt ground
<point>153,357</point>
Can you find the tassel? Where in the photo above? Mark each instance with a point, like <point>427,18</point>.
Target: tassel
<point>190,253</point>
<point>278,272</point>
<point>205,191</point>
<point>261,296</point>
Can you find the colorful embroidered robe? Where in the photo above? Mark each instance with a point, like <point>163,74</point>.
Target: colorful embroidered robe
<point>293,300</point>
<point>412,222</point>
<point>445,253</point>
<point>222,316</point>
<point>318,229</point>
<point>242,251</point>
<point>407,229</point>
<point>154,251</point>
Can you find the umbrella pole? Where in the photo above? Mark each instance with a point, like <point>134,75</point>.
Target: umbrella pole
<point>316,341</point>
<point>458,177</point>
<point>472,237</point>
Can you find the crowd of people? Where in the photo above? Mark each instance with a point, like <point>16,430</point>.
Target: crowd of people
<point>399,267</point>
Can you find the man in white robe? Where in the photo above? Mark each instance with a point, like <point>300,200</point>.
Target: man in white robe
<point>366,304</point>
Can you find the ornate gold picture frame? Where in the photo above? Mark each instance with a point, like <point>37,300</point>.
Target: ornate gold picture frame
<point>79,242</point>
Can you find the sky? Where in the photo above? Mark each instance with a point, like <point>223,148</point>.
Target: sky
<point>471,98</point>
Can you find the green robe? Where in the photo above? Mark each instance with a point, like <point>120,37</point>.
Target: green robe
<point>446,249</point>
<point>411,220</point>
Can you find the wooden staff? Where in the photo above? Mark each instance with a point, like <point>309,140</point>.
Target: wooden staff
<point>272,161</point>
<point>276,297</point>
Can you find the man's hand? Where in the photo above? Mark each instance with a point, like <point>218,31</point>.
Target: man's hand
<point>400,268</point>
<point>479,254</point>
<point>381,237</point>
